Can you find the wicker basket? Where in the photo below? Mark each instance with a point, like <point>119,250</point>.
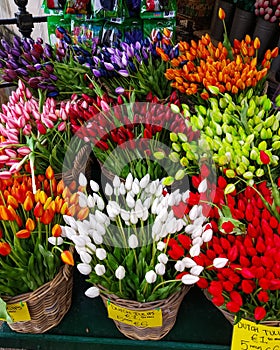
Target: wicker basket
<point>47,305</point>
<point>169,307</point>
<point>230,317</point>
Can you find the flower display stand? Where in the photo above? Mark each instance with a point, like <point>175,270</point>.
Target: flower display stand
<point>199,326</point>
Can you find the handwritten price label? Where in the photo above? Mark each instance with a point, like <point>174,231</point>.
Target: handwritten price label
<point>151,318</point>
<point>18,312</point>
<point>248,335</point>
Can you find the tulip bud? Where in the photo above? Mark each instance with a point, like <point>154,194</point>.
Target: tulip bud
<point>160,269</point>
<point>151,276</point>
<point>94,186</point>
<point>133,241</point>
<point>5,248</point>
<point>189,279</point>
<point>84,269</point>
<point>99,269</point>
<point>120,272</point>
<point>55,240</point>
<point>67,257</point>
<point>92,292</point>
<point>101,253</point>
<point>179,266</point>
<point>30,224</point>
<point>162,258</point>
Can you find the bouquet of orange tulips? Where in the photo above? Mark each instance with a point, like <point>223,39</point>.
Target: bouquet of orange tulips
<point>32,248</point>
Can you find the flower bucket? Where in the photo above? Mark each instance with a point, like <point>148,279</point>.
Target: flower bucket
<point>243,23</point>
<point>47,305</point>
<point>167,307</point>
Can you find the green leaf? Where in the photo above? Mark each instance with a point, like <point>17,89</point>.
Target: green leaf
<point>3,312</point>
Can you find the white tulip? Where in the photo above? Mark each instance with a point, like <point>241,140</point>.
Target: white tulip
<point>125,215</point>
<point>196,270</point>
<point>162,258</point>
<point>82,180</point>
<point>90,248</point>
<point>185,195</point>
<point>151,276</point>
<point>154,206</point>
<point>135,188</point>
<point>171,226</point>
<point>160,269</point>
<point>108,190</point>
<point>101,253</point>
<point>120,272</point>
<point>189,228</point>
<point>145,214</point>
<point>100,203</point>
<point>207,235</point>
<point>199,221</point>
<point>202,187</point>
<point>94,186</point>
<point>69,232</point>
<point>78,241</point>
<point>90,201</point>
<point>128,182</point>
<point>161,246</point>
<point>156,228</point>
<point>92,292</point>
<point>130,201</point>
<point>220,262</point>
<point>189,263</point>
<point>84,269</point>
<point>122,190</point>
<point>100,217</point>
<point>116,182</point>
<point>55,240</point>
<point>197,231</point>
<point>153,187</point>
<point>97,238</point>
<point>195,250</point>
<point>163,215</point>
<point>133,217</point>
<point>144,181</point>
<point>133,241</point>
<point>99,269</point>
<point>193,212</point>
<point>179,266</point>
<point>171,200</point>
<point>113,209</point>
<point>69,220</point>
<point>189,279</point>
<point>197,240</point>
<point>80,249</point>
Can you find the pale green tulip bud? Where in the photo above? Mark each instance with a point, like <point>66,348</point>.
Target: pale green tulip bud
<point>182,137</point>
<point>174,157</point>
<point>213,89</point>
<point>186,113</point>
<point>260,172</point>
<point>240,170</point>
<point>229,137</point>
<point>180,175</point>
<point>276,145</point>
<point>250,138</point>
<point>269,121</point>
<point>186,146</point>
<point>159,155</point>
<point>248,175</point>
<point>223,160</point>
<point>275,125</point>
<point>174,108</point>
<point>184,161</point>
<point>245,161</point>
<point>173,137</point>
<point>262,146</point>
<point>176,147</point>
<point>254,154</point>
<point>223,103</point>
<point>230,173</point>
<point>267,104</point>
<point>263,134</point>
<point>258,127</point>
<point>229,189</point>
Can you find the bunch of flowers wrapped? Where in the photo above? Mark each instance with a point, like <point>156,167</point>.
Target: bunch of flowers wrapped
<point>269,10</point>
<point>124,245</point>
<point>34,134</point>
<point>231,69</point>
<point>32,247</point>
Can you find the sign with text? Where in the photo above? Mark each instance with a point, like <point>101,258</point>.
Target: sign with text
<point>150,318</point>
<point>248,335</point>
<point>19,312</point>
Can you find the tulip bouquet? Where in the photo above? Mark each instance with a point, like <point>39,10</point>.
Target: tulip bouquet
<point>246,235</point>
<point>232,69</point>
<point>32,247</point>
<point>131,137</point>
<point>125,245</point>
<point>34,134</point>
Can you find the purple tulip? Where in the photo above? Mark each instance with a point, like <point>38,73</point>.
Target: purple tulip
<point>11,73</point>
<point>137,45</point>
<point>123,73</point>
<point>15,52</point>
<point>108,66</point>
<point>3,54</point>
<point>96,73</point>
<point>5,45</point>
<point>25,45</point>
<point>119,90</point>
<point>96,60</point>
<point>48,51</point>
<point>22,71</point>
<point>33,82</point>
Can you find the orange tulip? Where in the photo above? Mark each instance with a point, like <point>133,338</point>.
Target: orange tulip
<point>30,224</point>
<point>56,230</point>
<point>83,213</point>
<point>5,214</point>
<point>47,203</point>
<point>12,201</point>
<point>49,173</point>
<point>275,52</point>
<point>23,234</point>
<point>38,210</point>
<point>166,32</point>
<point>5,248</point>
<point>15,216</point>
<point>64,208</point>
<point>67,257</point>
<point>221,14</point>
<point>43,197</point>
<point>47,216</point>
<point>60,187</point>
<point>257,43</point>
<point>28,203</point>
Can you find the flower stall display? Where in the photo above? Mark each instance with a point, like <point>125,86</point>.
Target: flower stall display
<point>268,10</point>
<point>35,259</point>
<point>123,246</point>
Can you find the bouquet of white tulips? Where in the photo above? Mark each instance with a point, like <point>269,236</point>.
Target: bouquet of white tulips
<point>124,240</point>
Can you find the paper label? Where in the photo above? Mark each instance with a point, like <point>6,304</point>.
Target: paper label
<point>19,312</point>
<point>151,318</point>
<point>248,335</point>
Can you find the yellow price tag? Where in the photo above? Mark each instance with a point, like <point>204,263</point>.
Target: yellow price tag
<point>19,312</point>
<point>151,318</point>
<point>248,335</point>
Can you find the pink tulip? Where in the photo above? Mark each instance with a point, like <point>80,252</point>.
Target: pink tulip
<point>24,150</point>
<point>10,152</point>
<point>5,175</point>
<point>61,126</point>
<point>4,158</point>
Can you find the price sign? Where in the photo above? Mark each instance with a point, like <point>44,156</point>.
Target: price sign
<point>151,318</point>
<point>248,335</point>
<point>19,312</point>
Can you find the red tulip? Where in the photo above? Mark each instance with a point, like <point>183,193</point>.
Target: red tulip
<point>5,248</point>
